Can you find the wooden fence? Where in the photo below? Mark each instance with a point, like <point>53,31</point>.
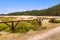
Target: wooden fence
<point>12,26</point>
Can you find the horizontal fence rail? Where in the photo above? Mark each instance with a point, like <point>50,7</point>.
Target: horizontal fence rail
<point>12,26</point>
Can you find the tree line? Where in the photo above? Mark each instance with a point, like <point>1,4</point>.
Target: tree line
<point>52,11</point>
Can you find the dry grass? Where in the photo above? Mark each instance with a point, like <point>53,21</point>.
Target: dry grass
<point>47,24</point>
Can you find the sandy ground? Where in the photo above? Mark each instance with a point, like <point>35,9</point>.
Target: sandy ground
<point>45,35</point>
<point>51,34</point>
<point>55,36</point>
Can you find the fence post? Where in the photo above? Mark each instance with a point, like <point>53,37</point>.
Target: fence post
<point>12,26</point>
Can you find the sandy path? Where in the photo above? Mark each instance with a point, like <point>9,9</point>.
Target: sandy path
<point>44,35</point>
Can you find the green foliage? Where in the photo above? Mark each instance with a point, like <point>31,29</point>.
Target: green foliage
<point>4,27</point>
<point>54,21</point>
<point>51,20</point>
<point>22,27</point>
<point>34,25</point>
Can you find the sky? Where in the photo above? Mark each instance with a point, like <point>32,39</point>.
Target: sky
<point>7,6</point>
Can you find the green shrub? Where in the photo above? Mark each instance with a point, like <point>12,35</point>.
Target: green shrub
<point>35,25</point>
<point>22,27</point>
<point>51,20</point>
<point>3,27</point>
<point>54,21</point>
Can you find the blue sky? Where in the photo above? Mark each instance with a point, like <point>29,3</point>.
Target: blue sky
<point>7,6</point>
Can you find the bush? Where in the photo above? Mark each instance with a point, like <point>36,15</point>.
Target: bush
<point>51,20</point>
<point>22,27</point>
<point>4,27</point>
<point>54,21</point>
<point>35,25</point>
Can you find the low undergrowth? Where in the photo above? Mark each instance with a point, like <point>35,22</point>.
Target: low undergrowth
<point>22,27</point>
<point>54,21</point>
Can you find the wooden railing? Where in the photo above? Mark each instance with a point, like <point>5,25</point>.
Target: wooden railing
<point>12,26</point>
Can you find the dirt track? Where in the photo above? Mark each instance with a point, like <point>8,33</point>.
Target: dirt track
<point>44,35</point>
